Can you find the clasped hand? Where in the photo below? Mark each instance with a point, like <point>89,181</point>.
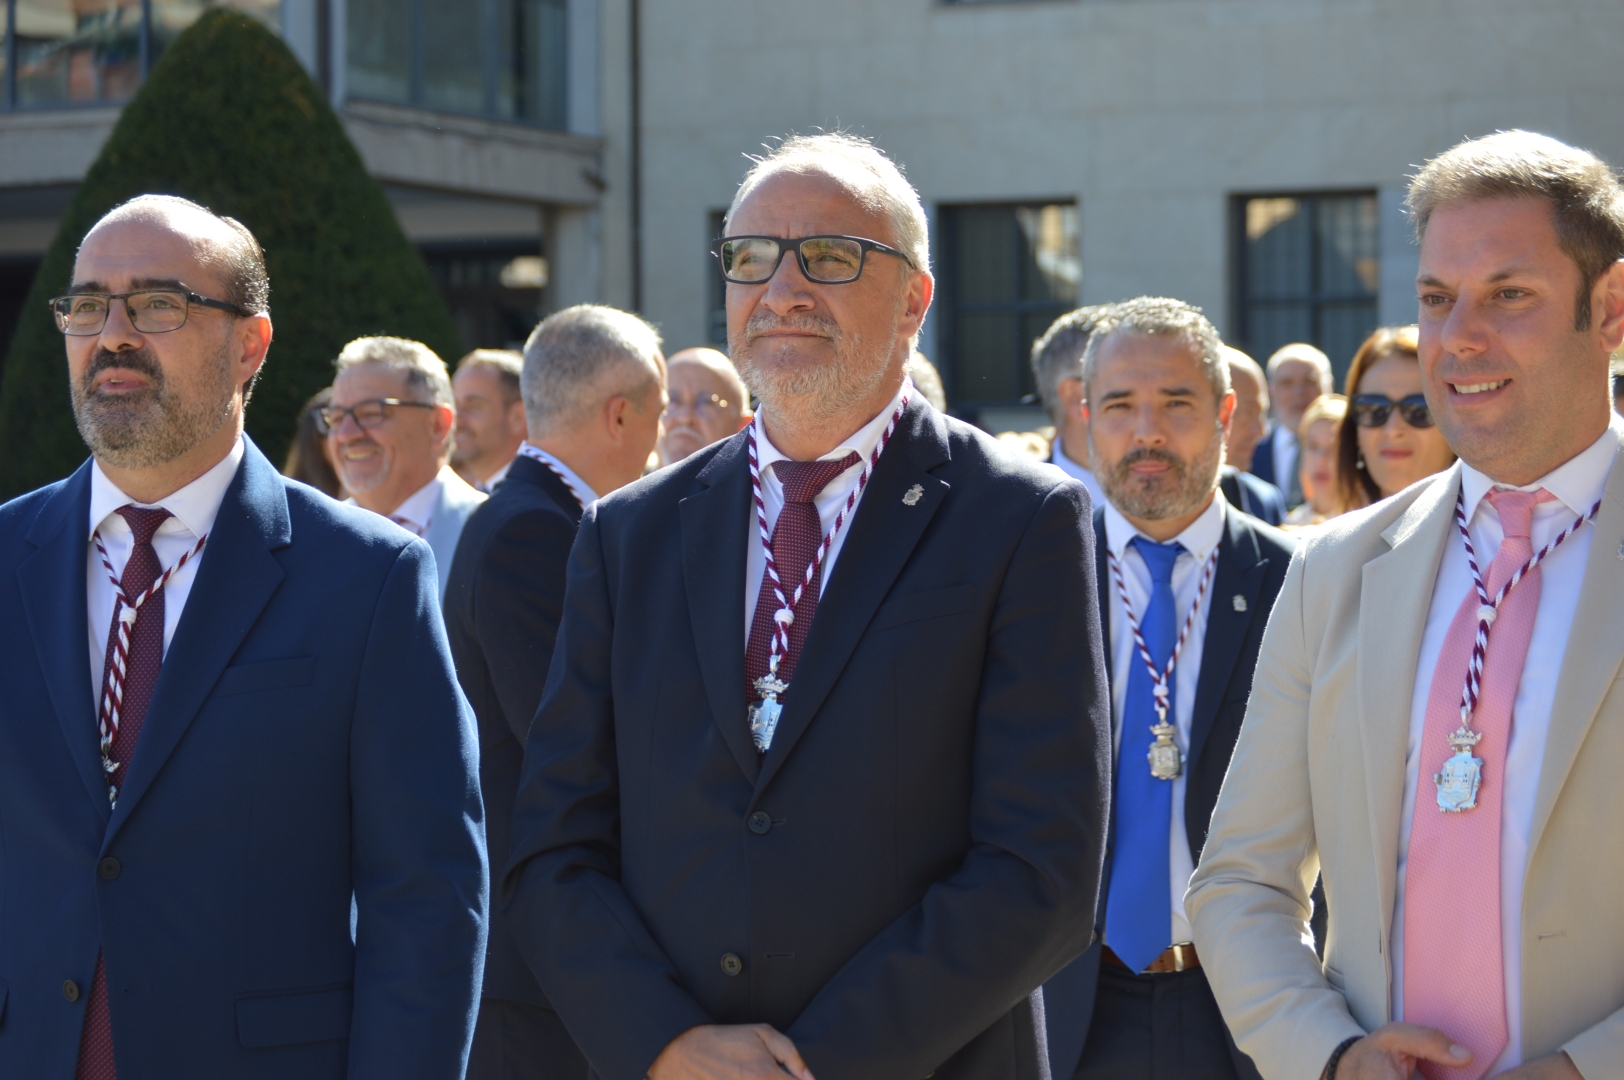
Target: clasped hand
<point>730,1052</point>
<point>1392,1051</point>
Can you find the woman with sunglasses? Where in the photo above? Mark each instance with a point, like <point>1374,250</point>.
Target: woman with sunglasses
<point>1388,440</point>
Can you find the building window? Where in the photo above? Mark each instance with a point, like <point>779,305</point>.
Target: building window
<point>62,53</point>
<point>494,289</point>
<point>1008,271</point>
<point>1306,269</point>
<point>716,290</point>
<point>501,58</point>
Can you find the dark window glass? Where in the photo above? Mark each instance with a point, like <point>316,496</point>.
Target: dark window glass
<point>494,289</point>
<point>1008,271</point>
<point>453,75</point>
<point>378,38</point>
<point>1306,270</point>
<point>530,61</point>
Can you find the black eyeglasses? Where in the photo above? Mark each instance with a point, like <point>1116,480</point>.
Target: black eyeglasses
<point>1372,410</point>
<point>828,260</point>
<point>151,311</point>
<point>368,414</point>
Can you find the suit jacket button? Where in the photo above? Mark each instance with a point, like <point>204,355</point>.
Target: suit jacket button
<point>760,823</point>
<point>108,868</point>
<point>70,990</point>
<point>731,964</point>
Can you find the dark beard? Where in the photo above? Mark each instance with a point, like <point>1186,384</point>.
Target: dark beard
<point>818,392</point>
<point>1159,498</point>
<point>155,425</point>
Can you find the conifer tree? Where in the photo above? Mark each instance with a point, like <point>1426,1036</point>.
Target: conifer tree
<point>230,119</point>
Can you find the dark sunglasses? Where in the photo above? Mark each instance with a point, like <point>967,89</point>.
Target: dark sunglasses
<point>1372,410</point>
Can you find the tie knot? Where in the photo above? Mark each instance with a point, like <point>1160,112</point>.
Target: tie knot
<point>803,480</point>
<point>143,523</point>
<point>1516,509</point>
<point>1158,557</point>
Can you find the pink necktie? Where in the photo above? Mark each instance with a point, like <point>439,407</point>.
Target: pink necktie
<point>1454,965</point>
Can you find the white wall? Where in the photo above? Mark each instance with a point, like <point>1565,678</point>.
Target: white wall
<point>1151,112</point>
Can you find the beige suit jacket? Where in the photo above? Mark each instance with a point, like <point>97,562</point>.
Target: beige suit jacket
<point>1317,782</point>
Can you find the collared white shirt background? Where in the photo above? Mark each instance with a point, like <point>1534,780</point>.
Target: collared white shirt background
<point>829,503</point>
<point>1083,476</point>
<point>416,511</point>
<point>194,508</point>
<point>583,490</point>
<point>1577,485</point>
<point>1202,535</point>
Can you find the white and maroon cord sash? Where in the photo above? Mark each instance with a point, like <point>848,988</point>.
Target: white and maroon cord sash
<point>1489,608</point>
<point>125,611</point>
<point>785,613</point>
<point>535,453</point>
<point>1161,681</point>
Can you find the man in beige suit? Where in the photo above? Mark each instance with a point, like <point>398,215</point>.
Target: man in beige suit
<point>1472,887</point>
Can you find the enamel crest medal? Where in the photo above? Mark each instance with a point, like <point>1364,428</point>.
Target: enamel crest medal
<point>1461,775</point>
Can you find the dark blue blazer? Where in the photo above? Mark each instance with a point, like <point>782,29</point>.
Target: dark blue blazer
<point>1250,495</point>
<point>1252,561</point>
<point>503,602</point>
<point>921,847</point>
<point>306,748</point>
<point>1263,460</point>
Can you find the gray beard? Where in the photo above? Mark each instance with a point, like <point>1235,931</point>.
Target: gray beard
<point>1176,492</point>
<point>154,426</point>
<point>810,395</point>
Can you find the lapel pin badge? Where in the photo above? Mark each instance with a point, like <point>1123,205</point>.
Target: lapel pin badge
<point>1239,602</point>
<point>917,492</point>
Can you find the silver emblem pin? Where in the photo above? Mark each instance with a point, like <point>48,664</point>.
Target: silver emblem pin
<point>917,492</point>
<point>1239,601</point>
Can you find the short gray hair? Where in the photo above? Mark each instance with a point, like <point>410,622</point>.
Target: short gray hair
<point>507,363</point>
<point>425,374</point>
<point>1308,354</point>
<point>582,356</point>
<point>1058,354</point>
<point>845,157</point>
<point>1156,316</point>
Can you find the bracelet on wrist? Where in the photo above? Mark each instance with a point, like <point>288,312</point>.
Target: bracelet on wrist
<point>1336,1055</point>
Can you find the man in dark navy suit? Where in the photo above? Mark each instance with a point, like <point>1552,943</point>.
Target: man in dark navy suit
<point>240,825</point>
<point>817,784</point>
<point>592,384</point>
<point>1137,1003</point>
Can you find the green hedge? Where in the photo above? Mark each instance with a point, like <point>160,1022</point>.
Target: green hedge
<point>230,119</point>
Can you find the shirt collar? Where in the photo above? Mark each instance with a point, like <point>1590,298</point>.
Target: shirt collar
<point>418,507</point>
<point>1284,436</point>
<point>1065,464</point>
<point>195,506</point>
<point>571,478</point>
<point>863,440</point>
<point>1198,538</point>
<point>1577,482</point>
<point>488,485</point>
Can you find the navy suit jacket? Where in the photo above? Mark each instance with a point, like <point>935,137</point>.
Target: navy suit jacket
<point>919,850</point>
<point>1263,460</point>
<point>504,599</point>
<point>1250,495</point>
<point>1252,561</point>
<point>306,747</point>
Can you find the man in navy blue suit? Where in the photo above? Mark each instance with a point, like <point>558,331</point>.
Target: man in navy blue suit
<point>1137,1003</point>
<point>240,825</point>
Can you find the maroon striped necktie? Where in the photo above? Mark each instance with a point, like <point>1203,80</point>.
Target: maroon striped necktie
<point>140,676</point>
<point>796,537</point>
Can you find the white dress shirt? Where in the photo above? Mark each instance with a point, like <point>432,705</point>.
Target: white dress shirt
<point>1202,535</point>
<point>416,512</point>
<point>488,484</point>
<point>1066,465</point>
<point>193,507</point>
<point>1577,485</point>
<point>829,502</point>
<point>1285,458</point>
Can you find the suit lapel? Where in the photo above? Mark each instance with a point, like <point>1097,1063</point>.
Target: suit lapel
<point>1592,657</point>
<point>236,577</point>
<point>52,583</point>
<point>1238,575</point>
<point>882,537</point>
<point>716,525</point>
<point>1102,572</point>
<point>1394,598</point>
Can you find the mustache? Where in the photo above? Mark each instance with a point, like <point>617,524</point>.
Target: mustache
<point>764,321</point>
<point>140,361</point>
<point>1150,453</point>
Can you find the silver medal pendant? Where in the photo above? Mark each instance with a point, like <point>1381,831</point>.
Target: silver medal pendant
<point>764,716</point>
<point>1166,759</point>
<point>1461,775</point>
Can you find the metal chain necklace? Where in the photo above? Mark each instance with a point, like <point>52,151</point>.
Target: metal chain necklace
<point>1166,760</point>
<point>536,453</point>
<point>125,611</point>
<point>764,713</point>
<point>1462,774</point>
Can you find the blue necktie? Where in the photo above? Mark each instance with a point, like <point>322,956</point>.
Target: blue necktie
<point>1139,906</point>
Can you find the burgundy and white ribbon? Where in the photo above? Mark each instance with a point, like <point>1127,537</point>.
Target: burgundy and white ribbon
<point>125,611</point>
<point>535,453</point>
<point>785,613</point>
<point>1161,681</point>
<point>1489,608</point>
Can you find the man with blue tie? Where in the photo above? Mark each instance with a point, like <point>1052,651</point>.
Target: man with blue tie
<point>240,824</point>
<point>1186,584</point>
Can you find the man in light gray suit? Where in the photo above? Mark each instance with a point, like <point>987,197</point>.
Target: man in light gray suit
<point>389,426</point>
